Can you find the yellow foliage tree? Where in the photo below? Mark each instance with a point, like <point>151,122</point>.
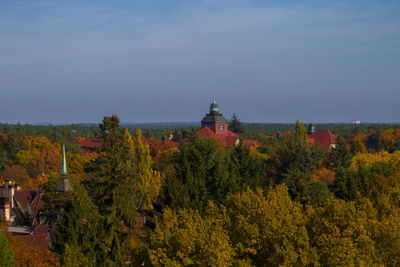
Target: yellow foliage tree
<point>41,155</point>
<point>369,159</point>
<point>184,238</point>
<point>147,182</point>
<point>323,175</point>
<point>269,230</point>
<point>359,143</point>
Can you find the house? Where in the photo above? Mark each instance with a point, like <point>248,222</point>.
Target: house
<point>214,125</point>
<point>322,139</point>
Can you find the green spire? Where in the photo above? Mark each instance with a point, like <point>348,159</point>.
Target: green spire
<point>64,162</point>
<point>214,99</point>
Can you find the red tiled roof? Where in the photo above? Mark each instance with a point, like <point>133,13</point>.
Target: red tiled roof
<point>227,139</point>
<point>322,139</point>
<point>88,143</point>
<point>206,132</point>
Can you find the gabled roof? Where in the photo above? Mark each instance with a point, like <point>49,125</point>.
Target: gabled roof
<point>322,139</point>
<point>25,197</point>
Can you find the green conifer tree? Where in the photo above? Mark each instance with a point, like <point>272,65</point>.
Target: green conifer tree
<point>235,125</point>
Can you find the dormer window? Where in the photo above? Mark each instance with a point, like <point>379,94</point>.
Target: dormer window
<point>221,127</point>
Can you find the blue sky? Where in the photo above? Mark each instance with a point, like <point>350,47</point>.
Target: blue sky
<point>152,61</point>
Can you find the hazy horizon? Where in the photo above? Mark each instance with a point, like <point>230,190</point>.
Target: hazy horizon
<point>159,61</point>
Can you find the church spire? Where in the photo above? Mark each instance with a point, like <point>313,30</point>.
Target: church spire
<point>64,161</point>
<point>64,185</point>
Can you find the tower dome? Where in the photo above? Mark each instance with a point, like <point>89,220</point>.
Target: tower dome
<point>214,108</point>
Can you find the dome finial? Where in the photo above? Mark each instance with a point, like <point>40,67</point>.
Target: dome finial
<point>214,99</point>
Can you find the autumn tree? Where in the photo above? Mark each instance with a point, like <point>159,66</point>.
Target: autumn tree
<point>184,238</point>
<point>269,230</point>
<point>147,182</point>
<point>301,134</point>
<point>6,255</point>
<point>40,156</point>
<point>16,173</point>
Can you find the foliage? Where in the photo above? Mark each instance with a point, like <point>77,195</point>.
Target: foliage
<point>6,255</point>
<point>185,238</point>
<point>300,134</point>
<point>235,125</point>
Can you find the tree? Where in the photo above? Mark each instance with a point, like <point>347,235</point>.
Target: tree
<point>339,156</point>
<point>339,231</point>
<point>268,231</point>
<point>122,182</point>
<point>16,173</point>
<point>201,175</point>
<point>300,134</point>
<point>184,238</point>
<point>147,182</point>
<point>6,255</point>
<point>359,144</point>
<point>40,156</point>
<point>235,125</point>
<point>111,188</point>
<point>75,222</point>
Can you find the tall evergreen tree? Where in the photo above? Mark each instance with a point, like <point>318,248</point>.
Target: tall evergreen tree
<point>110,187</point>
<point>339,156</point>
<point>235,125</point>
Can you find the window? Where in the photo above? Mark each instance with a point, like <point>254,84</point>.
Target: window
<point>221,127</point>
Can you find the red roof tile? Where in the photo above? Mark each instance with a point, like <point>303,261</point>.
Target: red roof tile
<point>322,139</point>
<point>227,139</point>
<point>88,144</point>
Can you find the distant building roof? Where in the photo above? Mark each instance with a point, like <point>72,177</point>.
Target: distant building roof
<point>322,139</point>
<point>88,144</point>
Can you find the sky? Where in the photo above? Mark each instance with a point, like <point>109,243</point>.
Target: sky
<point>76,61</point>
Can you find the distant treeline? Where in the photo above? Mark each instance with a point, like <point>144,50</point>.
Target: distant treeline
<point>157,130</point>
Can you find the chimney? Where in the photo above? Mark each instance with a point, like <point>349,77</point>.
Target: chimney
<point>5,209</point>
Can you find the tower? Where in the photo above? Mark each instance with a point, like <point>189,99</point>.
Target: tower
<point>64,185</point>
<point>215,120</point>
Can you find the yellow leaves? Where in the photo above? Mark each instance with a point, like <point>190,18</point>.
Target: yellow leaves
<point>35,182</point>
<point>254,152</point>
<point>323,175</point>
<point>41,154</point>
<point>185,238</point>
<point>272,227</point>
<point>369,159</point>
<point>359,143</point>
<point>147,183</point>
